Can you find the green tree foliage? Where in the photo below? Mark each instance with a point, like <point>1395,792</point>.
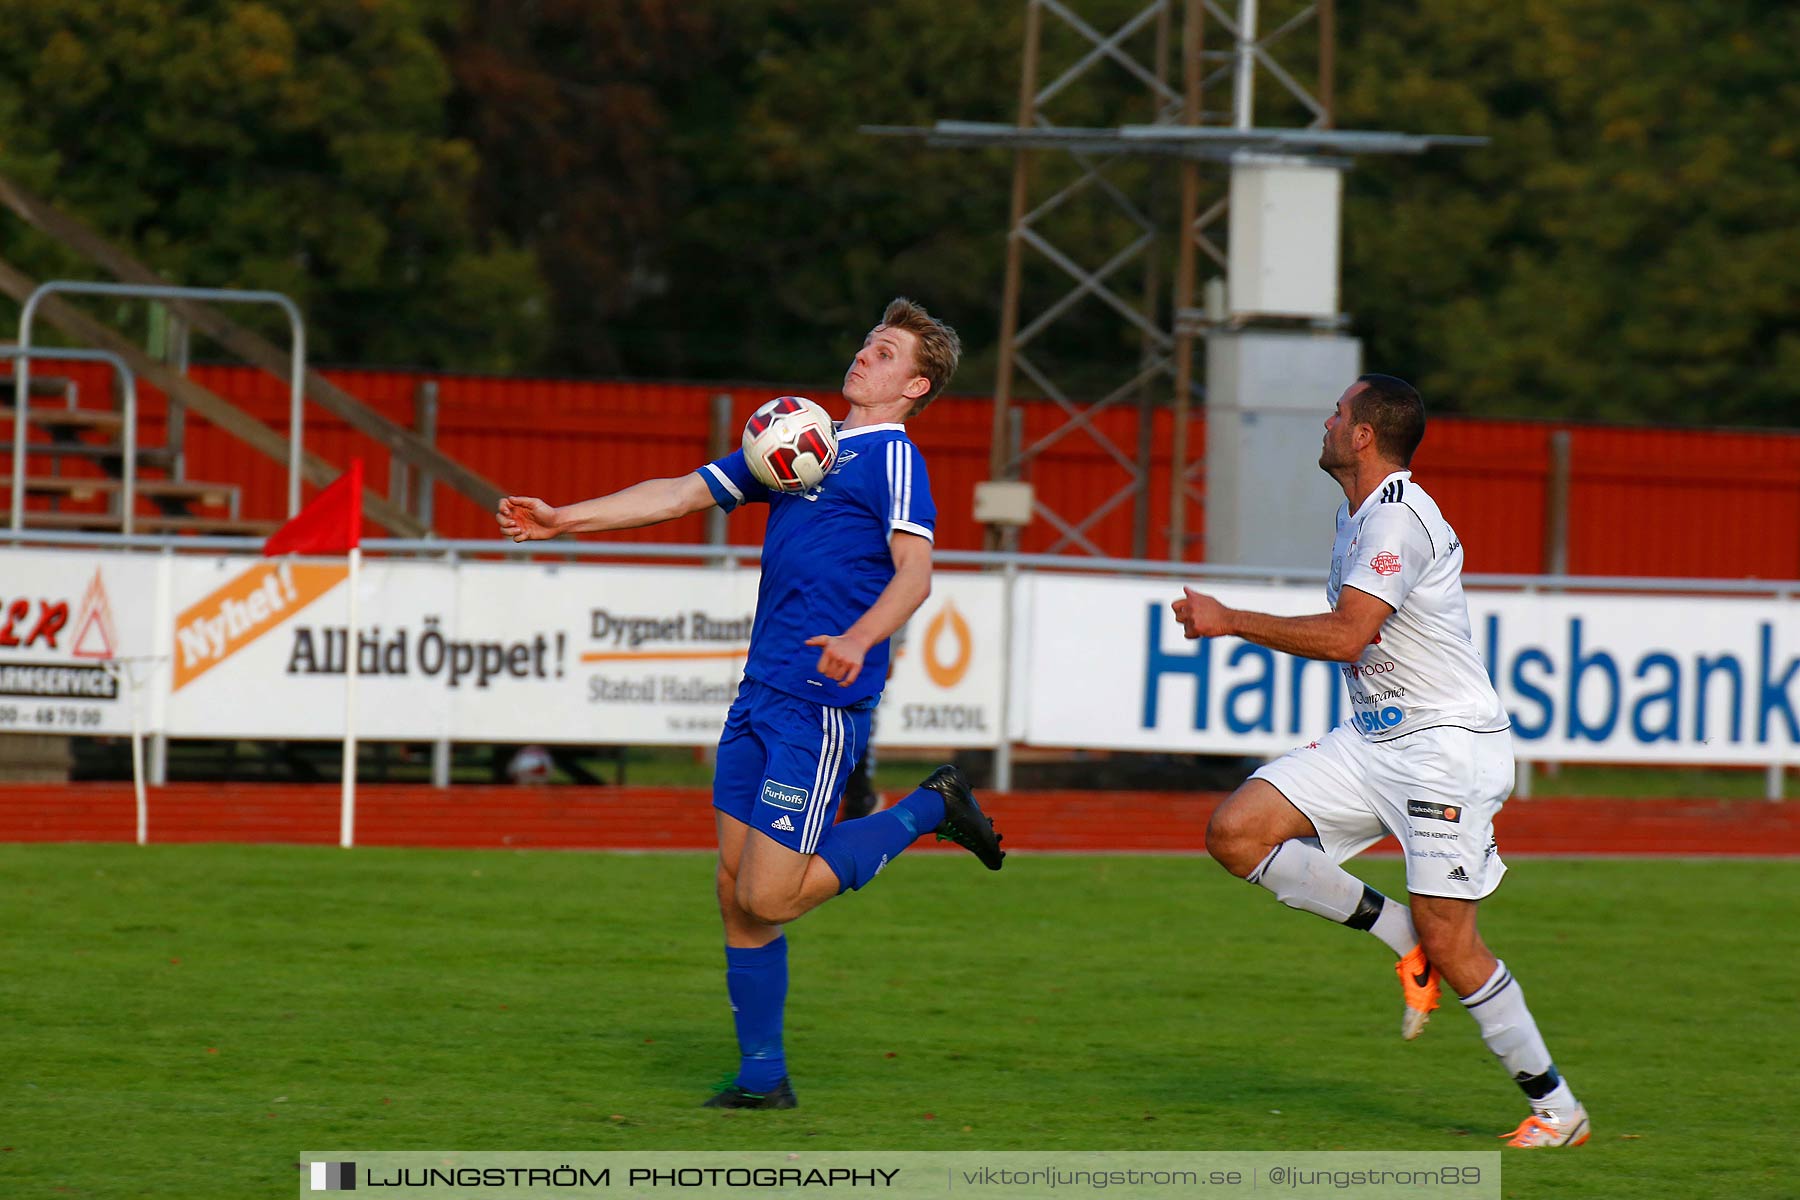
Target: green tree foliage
<point>679,189</point>
<point>297,145</point>
<point>567,103</point>
<point>1626,249</point>
<point>796,227</point>
<point>790,228</point>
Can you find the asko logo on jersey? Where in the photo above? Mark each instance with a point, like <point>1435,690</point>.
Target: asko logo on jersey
<point>1376,722</point>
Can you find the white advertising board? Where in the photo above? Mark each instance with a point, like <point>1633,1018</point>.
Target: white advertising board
<point>470,652</point>
<point>944,689</point>
<point>600,654</point>
<point>260,649</point>
<point>1108,667</point>
<point>514,652</point>
<point>1636,679</point>
<point>635,655</point>
<point>1585,678</point>
<point>63,618</point>
<point>653,655</point>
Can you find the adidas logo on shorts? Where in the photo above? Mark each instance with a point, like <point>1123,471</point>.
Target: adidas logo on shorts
<point>787,826</point>
<point>1456,873</point>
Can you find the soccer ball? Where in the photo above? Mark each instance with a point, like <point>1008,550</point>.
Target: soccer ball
<point>790,444</point>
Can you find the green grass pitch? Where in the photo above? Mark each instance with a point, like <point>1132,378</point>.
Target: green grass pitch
<point>183,1021</point>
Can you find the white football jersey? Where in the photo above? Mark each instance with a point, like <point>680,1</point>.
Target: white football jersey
<point>1422,670</point>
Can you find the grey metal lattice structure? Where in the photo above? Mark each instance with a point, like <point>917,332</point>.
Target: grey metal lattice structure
<point>1163,322</point>
<point>1182,128</point>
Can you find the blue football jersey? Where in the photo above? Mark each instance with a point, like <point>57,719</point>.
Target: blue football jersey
<point>825,556</point>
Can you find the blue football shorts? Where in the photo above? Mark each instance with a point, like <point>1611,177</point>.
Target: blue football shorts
<point>783,762</point>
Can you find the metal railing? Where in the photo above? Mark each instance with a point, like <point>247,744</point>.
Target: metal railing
<point>128,446</point>
<point>296,358</point>
<point>456,548</point>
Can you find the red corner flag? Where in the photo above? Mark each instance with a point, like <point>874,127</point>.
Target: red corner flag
<point>331,524</point>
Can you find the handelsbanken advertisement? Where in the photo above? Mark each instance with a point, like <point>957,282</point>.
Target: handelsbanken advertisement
<point>1584,678</point>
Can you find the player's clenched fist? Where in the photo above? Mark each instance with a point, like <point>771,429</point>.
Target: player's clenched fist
<point>526,518</point>
<point>1200,615</point>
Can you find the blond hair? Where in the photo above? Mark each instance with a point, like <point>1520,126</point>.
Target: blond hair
<point>939,348</point>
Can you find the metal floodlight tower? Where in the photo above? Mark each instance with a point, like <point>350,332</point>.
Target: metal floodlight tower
<point>1287,180</point>
<point>1009,459</point>
<point>1137,285</point>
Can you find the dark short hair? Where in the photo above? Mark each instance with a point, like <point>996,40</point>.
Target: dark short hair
<point>1393,409</point>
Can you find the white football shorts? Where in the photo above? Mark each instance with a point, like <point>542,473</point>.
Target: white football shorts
<point>1437,791</point>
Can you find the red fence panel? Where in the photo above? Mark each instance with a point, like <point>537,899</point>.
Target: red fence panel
<point>1686,503</point>
<point>1669,502</point>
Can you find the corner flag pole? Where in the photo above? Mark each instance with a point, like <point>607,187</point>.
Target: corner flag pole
<point>332,524</point>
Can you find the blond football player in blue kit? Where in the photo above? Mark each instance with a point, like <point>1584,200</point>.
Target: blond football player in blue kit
<point>843,566</point>
<point>1426,754</point>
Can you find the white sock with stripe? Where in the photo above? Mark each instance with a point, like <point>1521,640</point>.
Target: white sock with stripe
<point>1509,1030</point>
<point>1303,876</point>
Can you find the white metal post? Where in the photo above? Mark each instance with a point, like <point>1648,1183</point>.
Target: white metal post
<point>347,820</point>
<point>124,674</point>
<point>1003,747</point>
<point>296,406</point>
<point>137,768</point>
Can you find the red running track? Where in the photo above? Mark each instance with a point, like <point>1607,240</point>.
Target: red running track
<point>572,818</point>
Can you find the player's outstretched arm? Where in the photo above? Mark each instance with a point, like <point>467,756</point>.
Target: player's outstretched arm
<point>841,655</point>
<point>1336,636</point>
<point>528,519</point>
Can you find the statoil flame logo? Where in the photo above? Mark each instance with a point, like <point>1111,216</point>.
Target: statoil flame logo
<point>947,671</point>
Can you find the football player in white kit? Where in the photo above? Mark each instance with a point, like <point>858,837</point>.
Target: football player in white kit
<point>1426,754</point>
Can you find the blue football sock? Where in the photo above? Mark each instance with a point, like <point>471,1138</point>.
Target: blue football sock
<point>857,850</point>
<point>756,978</point>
